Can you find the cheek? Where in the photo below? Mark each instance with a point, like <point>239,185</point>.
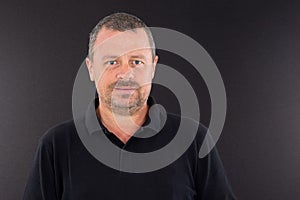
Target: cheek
<point>145,90</point>
<point>143,77</point>
<point>100,72</point>
<point>103,83</point>
<point>105,79</point>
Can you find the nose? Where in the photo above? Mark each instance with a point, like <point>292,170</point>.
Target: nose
<point>125,71</point>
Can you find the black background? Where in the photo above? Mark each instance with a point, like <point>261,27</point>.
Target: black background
<point>255,45</point>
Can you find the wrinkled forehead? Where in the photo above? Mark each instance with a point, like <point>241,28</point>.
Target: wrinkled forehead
<point>116,43</point>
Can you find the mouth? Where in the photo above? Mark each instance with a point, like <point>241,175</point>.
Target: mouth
<point>125,88</point>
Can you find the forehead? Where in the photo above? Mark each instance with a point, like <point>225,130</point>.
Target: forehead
<point>117,43</point>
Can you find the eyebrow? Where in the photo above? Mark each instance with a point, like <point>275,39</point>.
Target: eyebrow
<point>138,56</point>
<point>109,57</point>
<point>114,57</point>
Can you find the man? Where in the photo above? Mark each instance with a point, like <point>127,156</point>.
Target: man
<point>121,62</point>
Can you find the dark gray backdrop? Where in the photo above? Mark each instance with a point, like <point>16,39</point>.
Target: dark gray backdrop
<point>255,44</point>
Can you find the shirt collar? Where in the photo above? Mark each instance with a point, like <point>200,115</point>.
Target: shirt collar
<point>154,119</point>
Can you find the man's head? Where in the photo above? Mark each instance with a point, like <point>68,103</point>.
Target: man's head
<point>119,22</point>
<point>122,62</point>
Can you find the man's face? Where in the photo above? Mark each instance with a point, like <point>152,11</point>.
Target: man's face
<point>123,68</point>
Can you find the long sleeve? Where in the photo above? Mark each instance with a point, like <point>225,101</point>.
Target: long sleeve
<point>41,181</point>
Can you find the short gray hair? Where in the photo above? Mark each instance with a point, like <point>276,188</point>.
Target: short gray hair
<point>120,22</point>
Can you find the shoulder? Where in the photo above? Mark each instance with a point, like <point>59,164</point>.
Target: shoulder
<point>59,133</point>
<point>190,128</point>
<point>187,123</point>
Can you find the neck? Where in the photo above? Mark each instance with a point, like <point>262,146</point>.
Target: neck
<point>123,126</point>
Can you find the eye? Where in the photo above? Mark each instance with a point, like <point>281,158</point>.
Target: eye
<point>137,62</point>
<point>111,62</point>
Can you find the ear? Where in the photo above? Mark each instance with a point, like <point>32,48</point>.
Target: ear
<point>154,65</point>
<point>88,63</point>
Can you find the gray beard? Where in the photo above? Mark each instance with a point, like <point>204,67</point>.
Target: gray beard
<point>116,104</point>
<point>128,109</point>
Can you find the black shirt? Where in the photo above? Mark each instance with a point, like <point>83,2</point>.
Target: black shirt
<point>63,168</point>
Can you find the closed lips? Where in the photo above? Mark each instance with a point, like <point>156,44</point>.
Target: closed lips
<point>125,88</point>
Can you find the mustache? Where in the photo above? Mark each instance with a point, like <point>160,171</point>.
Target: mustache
<point>124,83</point>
